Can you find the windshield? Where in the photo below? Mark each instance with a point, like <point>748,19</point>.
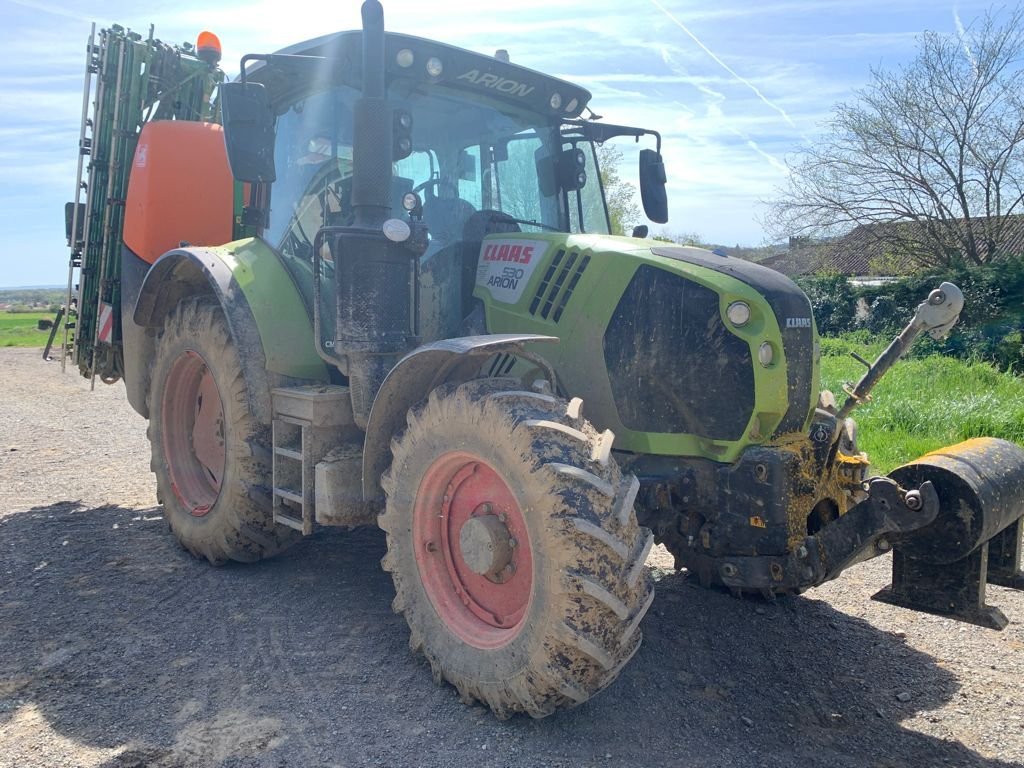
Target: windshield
<point>480,168</point>
<point>468,156</point>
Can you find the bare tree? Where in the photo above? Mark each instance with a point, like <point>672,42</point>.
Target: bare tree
<point>933,151</point>
<point>620,195</point>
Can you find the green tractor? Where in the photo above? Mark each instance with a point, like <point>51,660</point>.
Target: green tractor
<point>371,282</point>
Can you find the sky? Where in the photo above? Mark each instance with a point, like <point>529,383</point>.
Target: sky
<point>734,86</point>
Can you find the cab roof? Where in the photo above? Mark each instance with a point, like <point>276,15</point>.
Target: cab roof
<point>337,59</point>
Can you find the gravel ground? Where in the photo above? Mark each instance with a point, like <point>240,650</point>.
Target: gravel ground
<point>119,649</point>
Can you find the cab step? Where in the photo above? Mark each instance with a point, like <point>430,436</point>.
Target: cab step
<point>308,423</point>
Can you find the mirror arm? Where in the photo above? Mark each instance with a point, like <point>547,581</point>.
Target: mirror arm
<point>270,58</point>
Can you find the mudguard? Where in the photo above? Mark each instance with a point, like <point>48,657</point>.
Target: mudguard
<point>265,312</point>
<point>415,376</point>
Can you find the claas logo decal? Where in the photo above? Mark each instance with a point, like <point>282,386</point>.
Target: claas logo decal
<point>510,276</point>
<point>506,265</point>
<point>521,254</point>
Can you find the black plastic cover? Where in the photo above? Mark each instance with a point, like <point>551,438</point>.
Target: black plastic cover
<point>792,311</point>
<point>674,366</point>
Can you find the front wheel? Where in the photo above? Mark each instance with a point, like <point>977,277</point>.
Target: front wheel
<point>210,454</point>
<point>515,554</point>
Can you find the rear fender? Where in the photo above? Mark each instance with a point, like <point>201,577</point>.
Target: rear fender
<point>419,372</point>
<point>265,312</point>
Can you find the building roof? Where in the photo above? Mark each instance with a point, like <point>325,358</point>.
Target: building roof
<point>874,250</point>
<point>798,260</point>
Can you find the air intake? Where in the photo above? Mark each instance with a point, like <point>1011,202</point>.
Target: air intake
<point>560,280</point>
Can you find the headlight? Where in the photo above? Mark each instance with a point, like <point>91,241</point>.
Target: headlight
<point>411,201</point>
<point>434,66</point>
<point>738,313</point>
<point>766,353</point>
<point>405,58</point>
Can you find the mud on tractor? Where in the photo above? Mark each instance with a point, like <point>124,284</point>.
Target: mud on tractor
<point>371,282</point>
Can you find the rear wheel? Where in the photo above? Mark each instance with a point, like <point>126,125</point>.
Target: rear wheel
<point>516,556</point>
<point>209,453</point>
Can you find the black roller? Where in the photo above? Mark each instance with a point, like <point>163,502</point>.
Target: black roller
<point>980,484</point>
<point>975,539</point>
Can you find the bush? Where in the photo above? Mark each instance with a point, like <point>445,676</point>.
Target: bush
<point>991,326</point>
<point>832,301</point>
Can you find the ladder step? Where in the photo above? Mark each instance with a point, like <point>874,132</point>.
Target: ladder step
<point>288,453</point>
<point>285,493</point>
<point>291,522</point>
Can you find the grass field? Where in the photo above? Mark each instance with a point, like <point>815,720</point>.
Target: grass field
<point>924,404</point>
<point>19,329</point>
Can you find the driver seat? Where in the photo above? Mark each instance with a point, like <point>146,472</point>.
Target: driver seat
<point>445,218</point>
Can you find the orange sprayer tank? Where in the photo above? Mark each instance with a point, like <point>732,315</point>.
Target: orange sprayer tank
<point>180,188</point>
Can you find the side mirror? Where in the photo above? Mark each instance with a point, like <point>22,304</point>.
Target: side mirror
<point>652,186</point>
<point>248,131</point>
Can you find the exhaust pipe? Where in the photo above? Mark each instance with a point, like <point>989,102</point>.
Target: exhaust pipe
<point>371,135</point>
<point>374,275</point>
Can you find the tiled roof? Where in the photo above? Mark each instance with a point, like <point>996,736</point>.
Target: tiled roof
<point>874,249</point>
<point>805,260</point>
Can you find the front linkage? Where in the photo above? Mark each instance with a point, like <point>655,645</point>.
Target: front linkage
<point>797,512</point>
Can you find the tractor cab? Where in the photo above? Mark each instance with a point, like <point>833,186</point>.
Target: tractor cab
<point>479,146</point>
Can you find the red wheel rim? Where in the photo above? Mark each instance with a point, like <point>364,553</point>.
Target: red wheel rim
<point>466,520</point>
<point>192,417</point>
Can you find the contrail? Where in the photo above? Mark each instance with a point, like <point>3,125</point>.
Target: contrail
<point>722,64</point>
<point>962,34</point>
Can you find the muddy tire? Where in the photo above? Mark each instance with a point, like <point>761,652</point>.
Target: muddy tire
<point>210,456</point>
<point>515,553</point>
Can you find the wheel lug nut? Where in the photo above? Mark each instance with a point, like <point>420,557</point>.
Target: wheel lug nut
<point>512,541</point>
<point>503,517</point>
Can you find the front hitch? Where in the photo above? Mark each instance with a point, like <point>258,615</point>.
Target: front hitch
<point>869,528</point>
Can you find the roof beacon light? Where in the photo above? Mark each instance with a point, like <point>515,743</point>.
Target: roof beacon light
<point>208,47</point>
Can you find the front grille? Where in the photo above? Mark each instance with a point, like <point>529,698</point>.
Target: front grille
<point>560,280</point>
<point>674,366</point>
<point>789,304</point>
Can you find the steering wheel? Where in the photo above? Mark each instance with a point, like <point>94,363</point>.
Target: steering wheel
<point>437,183</point>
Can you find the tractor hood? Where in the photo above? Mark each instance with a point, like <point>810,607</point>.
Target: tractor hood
<point>648,340</point>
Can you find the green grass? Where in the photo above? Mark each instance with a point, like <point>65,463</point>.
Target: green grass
<point>925,403</point>
<point>19,329</point>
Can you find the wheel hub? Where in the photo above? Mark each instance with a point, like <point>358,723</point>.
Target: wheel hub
<point>486,546</point>
<point>473,550</point>
<point>193,433</point>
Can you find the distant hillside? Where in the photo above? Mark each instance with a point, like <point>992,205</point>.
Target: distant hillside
<point>31,299</point>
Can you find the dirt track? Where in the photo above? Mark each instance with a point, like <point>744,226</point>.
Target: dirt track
<point>119,649</point>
